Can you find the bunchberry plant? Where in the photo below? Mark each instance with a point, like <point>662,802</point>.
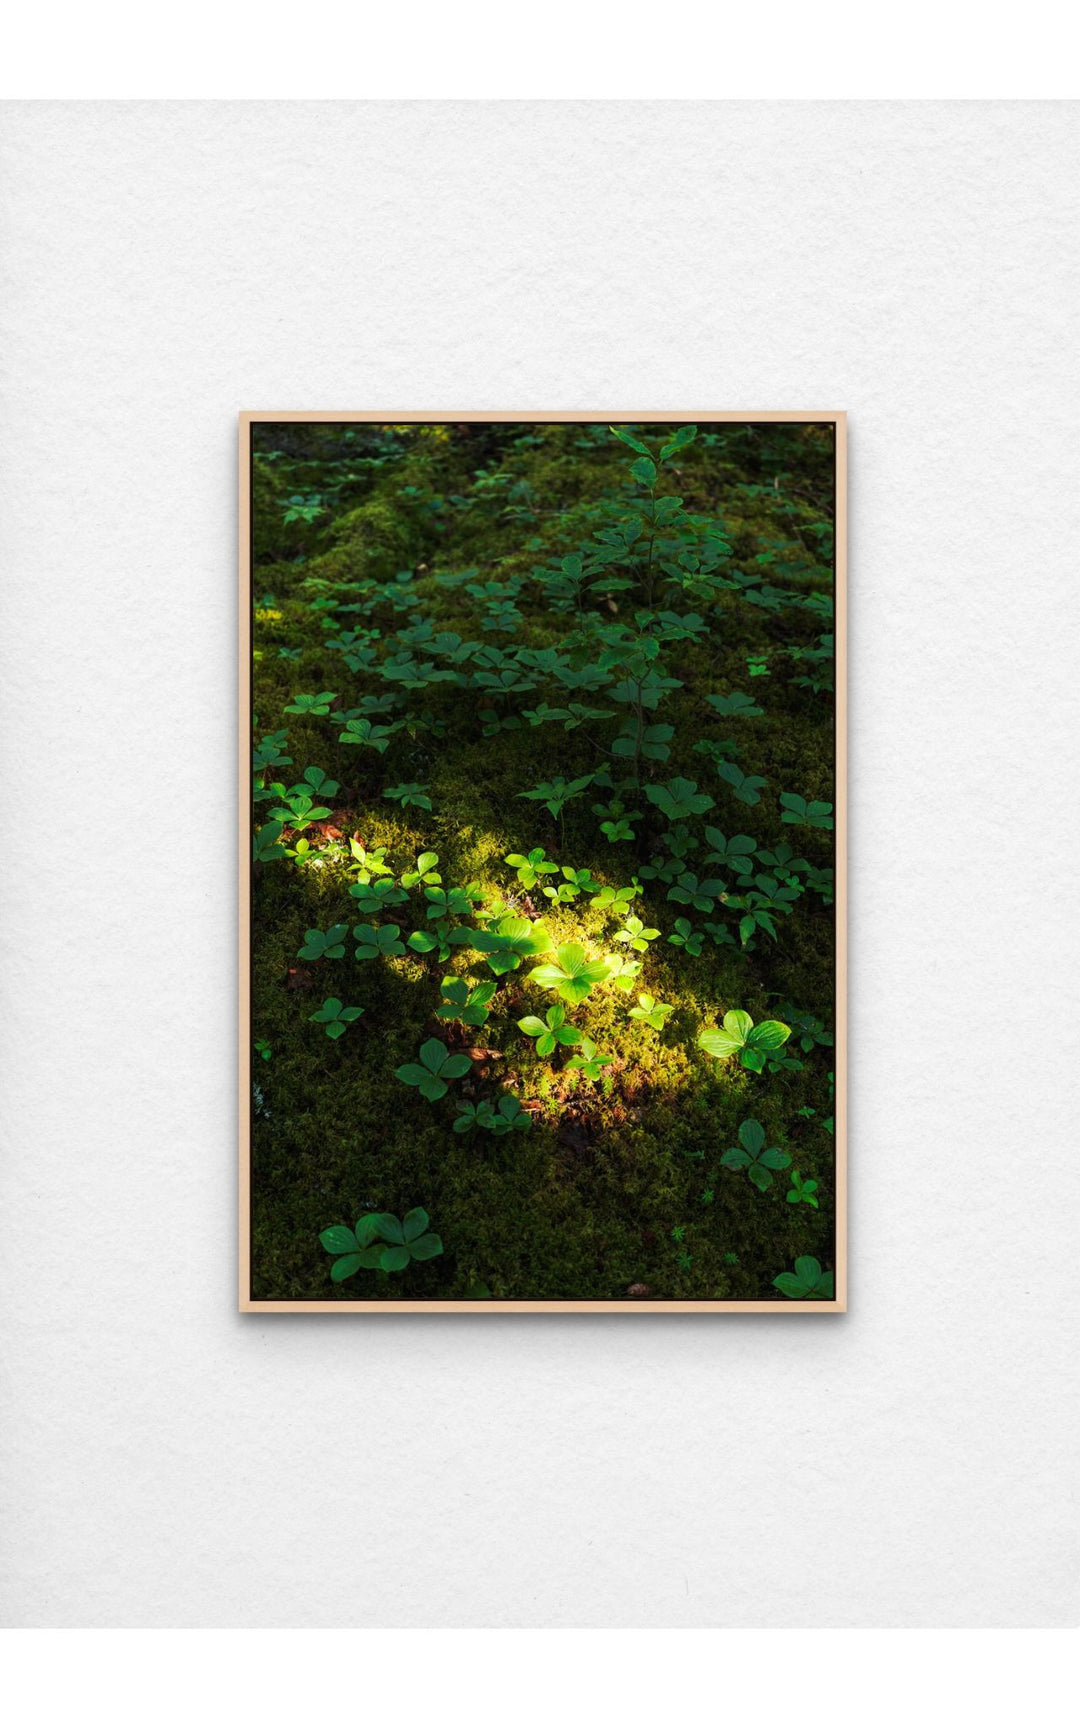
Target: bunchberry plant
<point>746,787</point>
<point>531,867</point>
<point>432,1074</point>
<point>380,1242</point>
<point>651,1012</point>
<point>369,734</point>
<point>334,1018</point>
<point>735,704</point>
<point>376,896</point>
<point>507,942</point>
<point>588,1061</point>
<point>505,1118</point>
<point>752,1155</point>
<point>740,1037</point>
<point>807,1282</point>
<point>409,793</point>
<point>812,814</point>
<point>686,937</point>
<point>373,941</point>
<point>324,944</point>
<point>299,812</point>
<point>678,799</point>
<point>313,705</point>
<point>636,935</point>
<point>469,1003</point>
<point>551,1031</point>
<point>571,974</point>
<point>615,900</point>
<point>801,1190</point>
<point>556,794</point>
<point>269,752</point>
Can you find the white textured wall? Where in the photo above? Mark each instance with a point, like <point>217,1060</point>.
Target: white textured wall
<point>170,1463</point>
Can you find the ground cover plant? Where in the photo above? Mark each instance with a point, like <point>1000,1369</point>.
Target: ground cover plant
<point>542,862</point>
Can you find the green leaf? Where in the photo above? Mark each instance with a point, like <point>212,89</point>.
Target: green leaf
<point>367,1229</point>
<point>346,1266</point>
<point>394,1259</point>
<point>628,438</point>
<point>433,1054</point>
<point>644,471</point>
<point>738,1023</point>
<point>389,1227</point>
<point>770,1035</point>
<point>455,1066</point>
<point>533,1026</point>
<point>414,1223</point>
<point>339,1239</point>
<point>412,1074</point>
<point>426,1247</point>
<point>684,436</point>
<point>719,1044</point>
<point>752,1136</point>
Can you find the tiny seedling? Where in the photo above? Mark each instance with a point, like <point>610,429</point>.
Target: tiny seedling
<point>575,882</point>
<point>554,794</point>
<point>551,1031</point>
<point>807,1281</point>
<point>368,864</point>
<point>324,944</point>
<point>740,1037</point>
<point>262,1048</point>
<point>373,941</point>
<point>651,1012</point>
<point>571,974</point>
<point>435,1069</point>
<point>752,1155</point>
<point>380,1242</point>
<point>335,1019</point>
<point>802,1190</point>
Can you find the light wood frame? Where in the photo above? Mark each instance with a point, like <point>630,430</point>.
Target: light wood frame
<point>637,416</point>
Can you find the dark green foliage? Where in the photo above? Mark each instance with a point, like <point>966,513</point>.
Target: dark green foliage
<point>512,610</point>
<point>807,1281</point>
<point>380,1241</point>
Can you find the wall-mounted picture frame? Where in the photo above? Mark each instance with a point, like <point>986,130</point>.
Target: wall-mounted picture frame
<point>543,818</point>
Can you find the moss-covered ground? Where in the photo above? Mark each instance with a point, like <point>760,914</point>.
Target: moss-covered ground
<point>363,535</point>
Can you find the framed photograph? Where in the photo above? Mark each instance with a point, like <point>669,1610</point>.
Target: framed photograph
<point>542,836</point>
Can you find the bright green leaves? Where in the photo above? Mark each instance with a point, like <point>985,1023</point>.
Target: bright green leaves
<point>552,1030</point>
<point>628,438</point>
<point>465,1002</point>
<point>571,974</point>
<point>299,811</point>
<point>380,1242</point>
<point>812,814</point>
<point>447,903</point>
<point>378,895</point>
<point>615,900</point>
<point>588,1061</point>
<point>531,867</point>
<point>313,705</point>
<point>435,1069</point>
<point>740,1037</point>
<point>335,1019</point>
<point>555,794</point>
<point>409,792</point>
<point>507,943</point>
<point>368,864</point>
<point>324,944</point>
<point>801,1190</point>
<point>266,844</point>
<point>807,1282</point>
<point>752,1155</point>
<point>651,1012</point>
<point>636,935</point>
<point>507,1117</point>
<point>679,799</point>
<point>269,752</point>
<point>373,942</point>
<point>424,873</point>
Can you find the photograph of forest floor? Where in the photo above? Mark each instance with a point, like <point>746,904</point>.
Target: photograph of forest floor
<point>542,919</point>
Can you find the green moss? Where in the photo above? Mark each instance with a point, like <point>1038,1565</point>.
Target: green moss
<point>584,1205</point>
